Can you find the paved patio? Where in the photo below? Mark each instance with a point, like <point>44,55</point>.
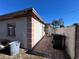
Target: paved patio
<point>45,48</point>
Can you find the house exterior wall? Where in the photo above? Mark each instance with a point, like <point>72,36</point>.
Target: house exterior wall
<point>20,30</point>
<point>28,31</point>
<point>37,31</point>
<point>69,32</point>
<point>29,27</point>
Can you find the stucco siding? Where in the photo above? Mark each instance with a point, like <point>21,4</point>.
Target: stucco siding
<point>3,29</point>
<point>69,32</point>
<point>37,31</point>
<point>20,30</point>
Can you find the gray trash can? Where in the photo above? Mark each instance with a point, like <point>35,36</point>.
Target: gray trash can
<point>14,47</point>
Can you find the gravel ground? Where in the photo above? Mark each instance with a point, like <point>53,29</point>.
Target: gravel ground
<point>21,55</point>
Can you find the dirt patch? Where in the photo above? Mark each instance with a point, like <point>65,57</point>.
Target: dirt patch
<point>21,55</point>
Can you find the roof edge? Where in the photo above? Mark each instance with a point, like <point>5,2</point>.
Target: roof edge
<point>5,16</point>
<point>35,12</point>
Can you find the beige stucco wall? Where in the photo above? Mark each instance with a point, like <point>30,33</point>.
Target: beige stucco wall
<point>37,31</point>
<point>21,30</point>
<point>69,32</point>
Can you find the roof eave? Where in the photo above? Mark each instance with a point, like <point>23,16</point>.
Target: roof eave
<point>34,11</point>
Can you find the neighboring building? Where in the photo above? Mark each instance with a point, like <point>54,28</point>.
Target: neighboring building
<point>25,26</point>
<point>48,29</point>
<point>71,34</point>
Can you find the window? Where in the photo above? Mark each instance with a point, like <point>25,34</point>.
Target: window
<point>11,29</point>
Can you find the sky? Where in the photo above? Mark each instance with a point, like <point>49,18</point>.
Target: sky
<point>49,10</point>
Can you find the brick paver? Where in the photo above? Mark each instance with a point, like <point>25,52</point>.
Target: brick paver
<point>45,48</point>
